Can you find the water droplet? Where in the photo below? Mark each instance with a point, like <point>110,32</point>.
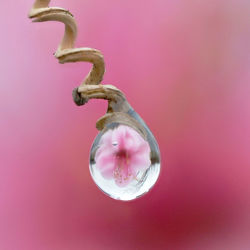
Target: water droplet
<point>131,168</point>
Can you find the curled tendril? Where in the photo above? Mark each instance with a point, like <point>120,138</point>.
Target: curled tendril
<point>90,88</point>
<point>66,52</point>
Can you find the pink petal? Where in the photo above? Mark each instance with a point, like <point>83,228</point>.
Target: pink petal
<point>127,138</point>
<point>107,171</point>
<point>119,137</point>
<point>106,138</point>
<point>143,149</point>
<point>140,162</point>
<point>105,157</point>
<point>104,150</point>
<point>105,161</point>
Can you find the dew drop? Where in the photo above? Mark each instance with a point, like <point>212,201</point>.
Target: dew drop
<point>123,164</point>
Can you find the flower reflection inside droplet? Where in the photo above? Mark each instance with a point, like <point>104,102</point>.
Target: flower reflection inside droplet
<point>122,153</point>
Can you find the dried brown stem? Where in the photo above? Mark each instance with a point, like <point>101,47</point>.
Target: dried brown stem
<point>66,52</point>
<point>90,88</point>
<point>116,99</point>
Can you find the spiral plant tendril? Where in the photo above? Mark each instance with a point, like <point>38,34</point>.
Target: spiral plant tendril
<point>124,158</point>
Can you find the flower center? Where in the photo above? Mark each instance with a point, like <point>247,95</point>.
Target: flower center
<point>122,171</point>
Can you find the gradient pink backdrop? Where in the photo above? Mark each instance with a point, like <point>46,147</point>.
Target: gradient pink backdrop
<point>184,66</point>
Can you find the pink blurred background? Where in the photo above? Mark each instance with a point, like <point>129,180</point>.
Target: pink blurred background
<point>184,66</point>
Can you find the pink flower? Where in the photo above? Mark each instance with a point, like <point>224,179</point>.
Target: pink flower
<point>121,154</point>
